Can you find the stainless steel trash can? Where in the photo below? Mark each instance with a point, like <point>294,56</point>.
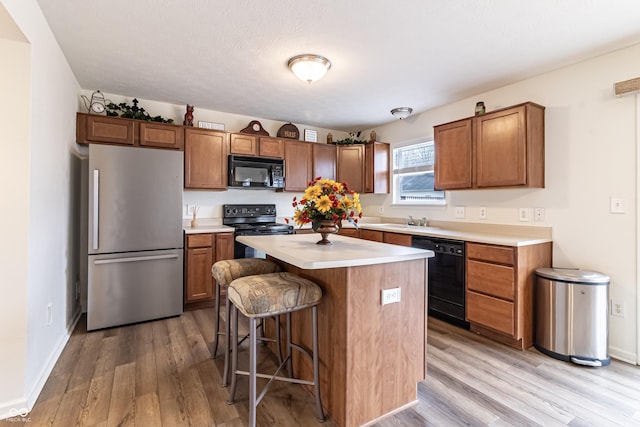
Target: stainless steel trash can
<point>572,316</point>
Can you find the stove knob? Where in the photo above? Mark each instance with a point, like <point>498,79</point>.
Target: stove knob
<point>234,211</point>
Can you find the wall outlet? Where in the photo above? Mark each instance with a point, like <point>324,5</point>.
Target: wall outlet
<point>523,214</point>
<point>459,211</point>
<point>617,308</point>
<point>538,214</point>
<point>617,205</point>
<point>390,296</point>
<point>482,213</point>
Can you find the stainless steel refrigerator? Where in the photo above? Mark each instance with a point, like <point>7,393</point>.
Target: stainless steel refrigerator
<point>135,235</point>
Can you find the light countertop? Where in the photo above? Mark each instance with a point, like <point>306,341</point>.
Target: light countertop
<point>302,251</point>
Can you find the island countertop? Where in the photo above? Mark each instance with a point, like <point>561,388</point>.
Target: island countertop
<point>302,251</point>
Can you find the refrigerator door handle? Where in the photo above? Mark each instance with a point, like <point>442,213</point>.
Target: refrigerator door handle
<point>96,205</point>
<point>135,259</point>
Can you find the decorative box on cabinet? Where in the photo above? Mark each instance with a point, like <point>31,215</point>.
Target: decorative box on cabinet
<point>500,282</point>
<point>503,148</point>
<point>202,250</point>
<point>205,159</point>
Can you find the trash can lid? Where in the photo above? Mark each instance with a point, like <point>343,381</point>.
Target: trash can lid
<point>573,275</point>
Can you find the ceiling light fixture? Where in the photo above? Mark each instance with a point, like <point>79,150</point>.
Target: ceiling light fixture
<point>401,112</point>
<point>308,67</point>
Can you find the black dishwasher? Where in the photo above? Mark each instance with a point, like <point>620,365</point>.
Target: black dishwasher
<point>446,278</point>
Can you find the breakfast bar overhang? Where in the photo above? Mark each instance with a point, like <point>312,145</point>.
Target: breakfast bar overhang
<point>371,355</point>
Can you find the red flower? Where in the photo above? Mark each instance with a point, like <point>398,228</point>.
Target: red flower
<point>303,201</point>
<point>351,213</point>
<point>334,217</point>
<point>286,220</point>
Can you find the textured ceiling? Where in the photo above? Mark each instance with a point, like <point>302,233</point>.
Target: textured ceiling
<point>232,56</point>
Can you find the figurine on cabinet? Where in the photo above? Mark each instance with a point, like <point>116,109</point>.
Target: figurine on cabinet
<point>188,116</point>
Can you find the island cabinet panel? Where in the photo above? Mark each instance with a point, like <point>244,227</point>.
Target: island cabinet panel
<point>91,128</point>
<point>298,165</point>
<point>324,160</point>
<point>158,135</point>
<point>243,144</point>
<point>205,159</point>
<point>370,358</point>
<point>499,298</point>
<point>351,166</point>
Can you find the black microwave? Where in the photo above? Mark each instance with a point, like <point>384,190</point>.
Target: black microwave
<point>255,172</point>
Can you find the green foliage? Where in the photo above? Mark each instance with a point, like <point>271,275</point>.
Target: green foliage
<point>351,140</point>
<point>133,112</point>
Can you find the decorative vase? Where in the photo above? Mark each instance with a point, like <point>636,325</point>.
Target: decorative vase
<point>327,227</point>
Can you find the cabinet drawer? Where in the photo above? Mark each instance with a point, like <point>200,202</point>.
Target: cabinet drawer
<point>397,239</point>
<point>349,232</point>
<point>199,240</point>
<point>491,253</point>
<point>490,312</point>
<point>492,279</point>
<point>376,236</point>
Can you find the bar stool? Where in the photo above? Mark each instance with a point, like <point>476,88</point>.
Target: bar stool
<point>266,295</point>
<point>224,272</point>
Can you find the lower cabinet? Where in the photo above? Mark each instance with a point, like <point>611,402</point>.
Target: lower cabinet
<point>500,288</point>
<point>349,232</point>
<point>386,237</point>
<point>201,251</point>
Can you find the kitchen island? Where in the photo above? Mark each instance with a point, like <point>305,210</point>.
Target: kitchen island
<point>371,355</point>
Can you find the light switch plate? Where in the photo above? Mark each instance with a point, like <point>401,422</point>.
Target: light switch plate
<point>617,205</point>
<point>523,214</point>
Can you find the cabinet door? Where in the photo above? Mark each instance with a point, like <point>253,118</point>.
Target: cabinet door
<point>324,161</point>
<point>271,147</point>
<point>376,236</point>
<point>351,166</point>
<point>500,148</point>
<point>491,312</point>
<point>298,165</point>
<point>453,158</point>
<point>397,239</point>
<point>205,159</point>
<point>199,283</point>
<point>112,130</point>
<point>161,135</point>
<point>376,168</point>
<point>224,246</point>
<point>246,145</point>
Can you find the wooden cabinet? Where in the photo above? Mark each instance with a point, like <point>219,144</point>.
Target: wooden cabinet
<point>324,160</point>
<point>94,129</point>
<point>350,162</point>
<point>397,238</point>
<point>499,296</point>
<point>202,251</point>
<point>376,167</point>
<point>504,148</point>
<point>271,147</point>
<point>364,167</point>
<point>374,235</point>
<point>252,145</point>
<point>298,165</point>
<point>205,159</point>
<point>349,232</point>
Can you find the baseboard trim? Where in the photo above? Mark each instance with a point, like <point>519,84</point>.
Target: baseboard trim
<point>42,378</point>
<point>14,409</point>
<point>623,356</point>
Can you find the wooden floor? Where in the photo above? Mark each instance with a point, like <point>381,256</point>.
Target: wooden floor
<point>161,374</point>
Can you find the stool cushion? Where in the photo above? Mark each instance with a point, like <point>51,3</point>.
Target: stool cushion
<point>226,271</point>
<point>271,294</point>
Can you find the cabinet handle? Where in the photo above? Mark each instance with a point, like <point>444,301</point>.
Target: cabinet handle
<point>96,206</point>
<point>134,259</point>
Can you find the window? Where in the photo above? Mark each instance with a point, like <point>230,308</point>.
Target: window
<point>413,177</point>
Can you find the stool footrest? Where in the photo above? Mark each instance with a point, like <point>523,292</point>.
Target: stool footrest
<point>278,378</point>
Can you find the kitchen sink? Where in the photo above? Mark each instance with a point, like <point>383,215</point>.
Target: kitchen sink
<point>402,227</point>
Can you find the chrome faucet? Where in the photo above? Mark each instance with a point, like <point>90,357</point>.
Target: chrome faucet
<point>411,221</point>
<point>425,223</point>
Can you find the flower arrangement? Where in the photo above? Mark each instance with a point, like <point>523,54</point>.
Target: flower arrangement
<point>326,199</point>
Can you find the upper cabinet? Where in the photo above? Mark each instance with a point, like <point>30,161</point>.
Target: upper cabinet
<point>298,165</point>
<point>504,148</point>
<point>253,145</point>
<point>205,159</point>
<point>94,129</point>
<point>365,168</point>
<point>324,161</point>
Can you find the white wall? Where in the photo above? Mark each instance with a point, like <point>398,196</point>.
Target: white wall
<point>45,226</point>
<point>590,142</point>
